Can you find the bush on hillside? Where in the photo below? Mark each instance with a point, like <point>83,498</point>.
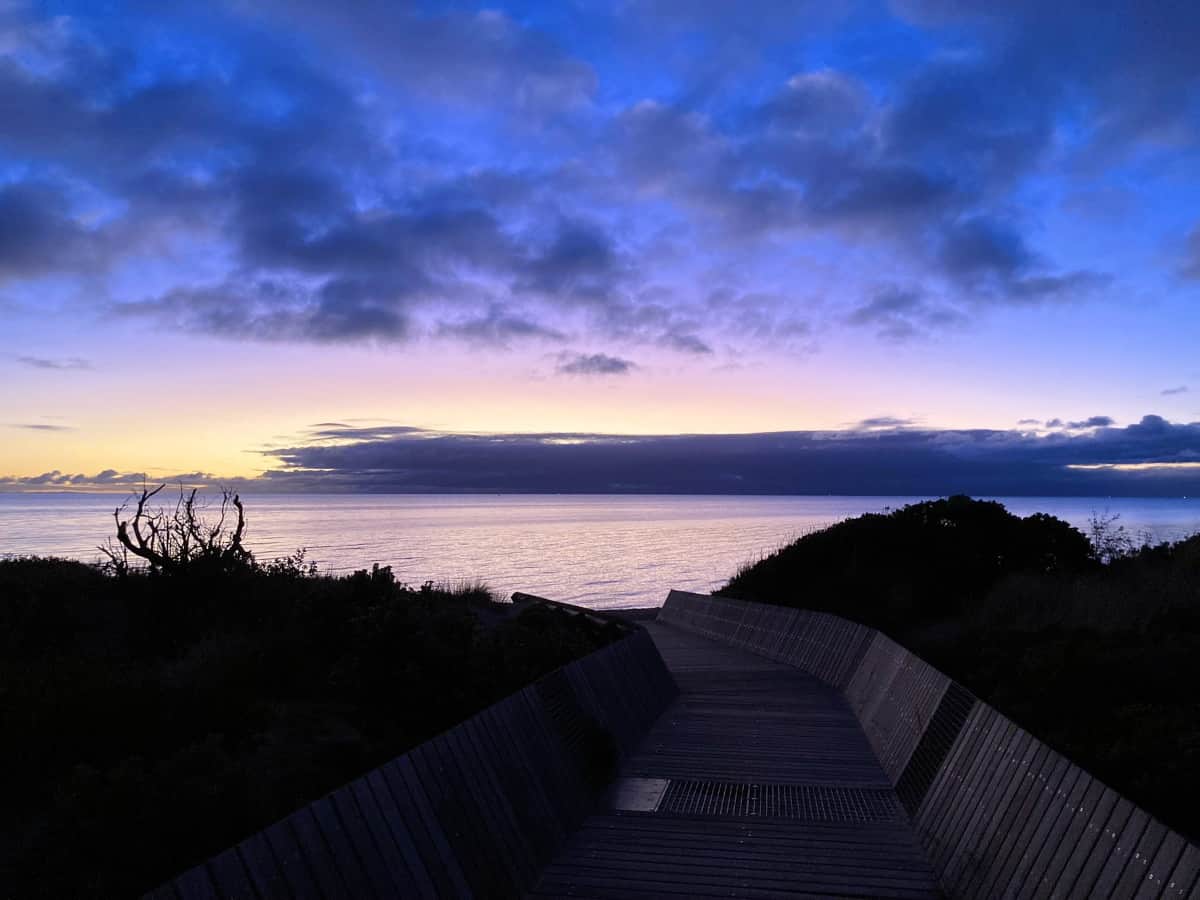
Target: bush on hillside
<point>920,563</point>
<point>1093,648</point>
<point>152,720</point>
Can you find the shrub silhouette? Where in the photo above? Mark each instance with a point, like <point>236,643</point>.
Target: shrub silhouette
<point>170,541</point>
<point>923,562</point>
<point>152,720</point>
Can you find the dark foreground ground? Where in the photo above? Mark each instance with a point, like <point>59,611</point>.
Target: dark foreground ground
<point>152,721</point>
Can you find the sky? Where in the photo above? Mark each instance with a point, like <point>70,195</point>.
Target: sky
<point>910,247</point>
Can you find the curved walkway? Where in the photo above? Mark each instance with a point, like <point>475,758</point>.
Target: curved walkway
<point>756,782</point>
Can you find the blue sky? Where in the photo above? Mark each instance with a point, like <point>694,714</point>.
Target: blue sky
<point>224,223</point>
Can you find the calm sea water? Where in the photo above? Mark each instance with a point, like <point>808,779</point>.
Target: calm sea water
<point>600,551</point>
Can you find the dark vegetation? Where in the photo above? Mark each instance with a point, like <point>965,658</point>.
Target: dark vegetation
<point>1092,645</point>
<point>154,716</point>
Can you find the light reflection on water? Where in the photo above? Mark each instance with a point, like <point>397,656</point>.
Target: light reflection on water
<point>600,551</point>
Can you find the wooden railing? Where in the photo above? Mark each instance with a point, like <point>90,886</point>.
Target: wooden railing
<point>1000,814</point>
<point>477,811</point>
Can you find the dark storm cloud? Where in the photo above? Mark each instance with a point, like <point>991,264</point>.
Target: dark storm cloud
<point>887,460</point>
<point>594,364</point>
<point>70,363</point>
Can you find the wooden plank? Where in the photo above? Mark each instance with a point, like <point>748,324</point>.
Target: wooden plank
<point>404,877</point>
<point>1075,840</point>
<point>318,855</point>
<point>1029,840</point>
<point>401,834</point>
<point>230,877</point>
<point>1120,851</point>
<point>1184,880</point>
<point>297,871</point>
<point>1158,872</point>
<point>264,871</point>
<point>488,785</point>
<point>423,825</point>
<point>354,826</point>
<point>1041,875</point>
<point>349,866</point>
<point>465,834</point>
<point>1005,779</point>
<point>979,780</point>
<point>1138,867</point>
<point>196,884</point>
<point>948,785</point>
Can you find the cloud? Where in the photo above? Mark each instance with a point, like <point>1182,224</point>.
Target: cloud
<point>686,343</point>
<point>480,59</point>
<point>883,422</point>
<point>580,262</point>
<point>294,171</point>
<point>817,102</point>
<point>498,328</point>
<point>1191,265</point>
<point>1091,422</point>
<point>883,455</point>
<point>1156,457</point>
<point>1173,391</point>
<point>107,480</point>
<point>70,363</point>
<point>899,314</point>
<point>1134,74</point>
<point>594,364</point>
<point>981,247</point>
<point>38,231</point>
<point>41,427</point>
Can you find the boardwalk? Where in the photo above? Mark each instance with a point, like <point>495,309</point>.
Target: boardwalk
<point>756,782</point>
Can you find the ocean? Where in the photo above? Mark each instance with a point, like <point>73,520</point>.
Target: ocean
<point>597,551</point>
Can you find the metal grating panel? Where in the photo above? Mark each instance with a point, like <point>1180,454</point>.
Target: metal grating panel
<point>780,801</point>
<point>935,743</point>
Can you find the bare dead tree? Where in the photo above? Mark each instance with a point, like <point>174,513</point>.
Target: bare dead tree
<point>173,540</point>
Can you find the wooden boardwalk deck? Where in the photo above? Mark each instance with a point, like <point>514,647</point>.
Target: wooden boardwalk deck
<point>768,789</point>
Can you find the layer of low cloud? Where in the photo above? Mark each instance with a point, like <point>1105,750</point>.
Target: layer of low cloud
<point>884,455</point>
<point>107,480</point>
